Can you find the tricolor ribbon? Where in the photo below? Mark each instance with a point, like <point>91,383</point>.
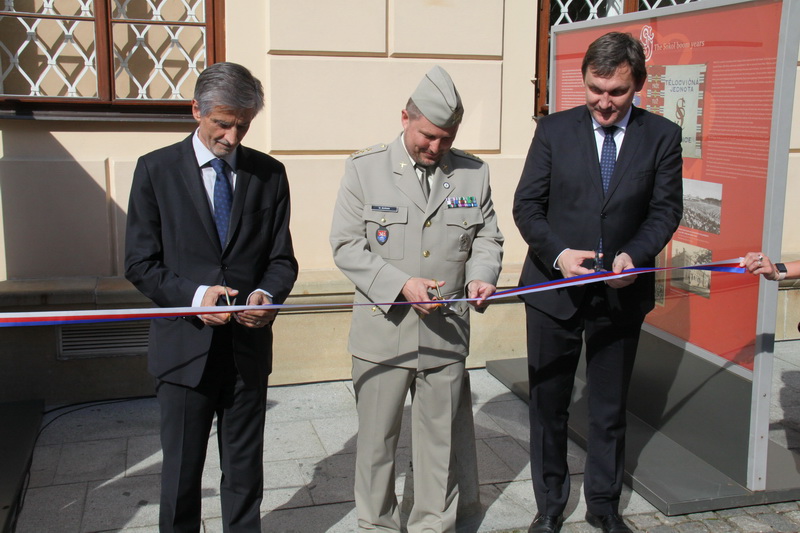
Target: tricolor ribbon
<point>55,318</point>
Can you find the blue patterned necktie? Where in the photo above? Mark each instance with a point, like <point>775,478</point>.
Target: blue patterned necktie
<point>608,156</point>
<point>223,198</point>
<point>608,159</point>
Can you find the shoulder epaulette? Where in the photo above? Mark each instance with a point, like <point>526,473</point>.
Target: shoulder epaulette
<point>374,149</point>
<point>466,155</point>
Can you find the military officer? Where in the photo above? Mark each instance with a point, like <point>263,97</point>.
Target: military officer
<point>414,221</point>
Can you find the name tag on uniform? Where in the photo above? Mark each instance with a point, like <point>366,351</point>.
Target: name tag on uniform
<point>384,208</point>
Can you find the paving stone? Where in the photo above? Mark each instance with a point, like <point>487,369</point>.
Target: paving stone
<point>720,525</point>
<point>672,520</point>
<point>756,509</point>
<point>695,526</point>
<point>338,435</point>
<point>728,513</point>
<point>91,460</point>
<point>486,388</point>
<point>143,455</point>
<point>55,509</point>
<point>329,479</point>
<point>120,503</point>
<point>644,521</point>
<point>491,467</point>
<point>513,455</point>
<point>701,516</point>
<point>578,527</point>
<point>778,522</point>
<point>784,507</point>
<point>661,529</point>
<point>750,524</point>
<point>311,401</point>
<point>291,440</point>
<point>44,465</point>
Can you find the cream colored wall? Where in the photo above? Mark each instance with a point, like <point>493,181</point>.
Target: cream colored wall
<point>333,89</point>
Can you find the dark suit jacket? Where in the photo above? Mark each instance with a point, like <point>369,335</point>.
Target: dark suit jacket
<point>172,248</point>
<point>559,204</point>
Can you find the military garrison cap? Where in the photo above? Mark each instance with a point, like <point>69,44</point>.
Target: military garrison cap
<point>437,98</point>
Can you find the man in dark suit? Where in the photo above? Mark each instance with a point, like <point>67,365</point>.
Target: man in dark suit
<point>601,180</point>
<point>209,220</point>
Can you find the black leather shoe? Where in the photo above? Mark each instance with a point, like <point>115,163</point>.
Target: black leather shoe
<point>546,524</point>
<point>610,523</point>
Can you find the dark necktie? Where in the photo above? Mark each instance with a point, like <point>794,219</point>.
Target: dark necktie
<point>608,156</point>
<point>223,198</point>
<point>608,159</point>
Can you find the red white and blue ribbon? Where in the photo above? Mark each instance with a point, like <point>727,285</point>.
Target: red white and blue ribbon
<point>55,318</point>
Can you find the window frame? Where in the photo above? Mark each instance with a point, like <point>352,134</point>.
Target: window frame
<point>105,105</point>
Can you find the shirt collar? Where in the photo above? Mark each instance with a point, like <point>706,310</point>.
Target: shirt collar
<point>621,124</point>
<point>204,155</point>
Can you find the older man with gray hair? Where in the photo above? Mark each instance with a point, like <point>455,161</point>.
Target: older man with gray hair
<point>208,221</point>
<point>414,222</point>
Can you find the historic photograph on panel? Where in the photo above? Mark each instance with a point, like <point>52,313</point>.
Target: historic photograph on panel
<point>702,205</point>
<point>696,281</point>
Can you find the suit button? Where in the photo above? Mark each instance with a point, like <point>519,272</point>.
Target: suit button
<point>428,223</point>
<point>374,308</point>
<point>603,216</point>
<point>224,267</point>
<point>383,220</point>
<point>425,253</point>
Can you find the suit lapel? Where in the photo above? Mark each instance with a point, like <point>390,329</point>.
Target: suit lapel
<point>630,145</point>
<point>405,177</point>
<point>193,180</point>
<point>243,179</point>
<point>587,146</point>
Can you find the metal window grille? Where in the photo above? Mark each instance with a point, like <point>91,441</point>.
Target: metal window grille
<point>58,48</point>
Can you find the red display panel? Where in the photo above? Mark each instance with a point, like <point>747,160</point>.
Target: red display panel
<point>712,71</point>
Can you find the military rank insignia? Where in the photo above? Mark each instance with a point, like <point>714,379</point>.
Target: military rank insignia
<point>461,201</point>
<point>382,235</point>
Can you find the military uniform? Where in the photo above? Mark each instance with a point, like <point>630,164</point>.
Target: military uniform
<point>385,232</point>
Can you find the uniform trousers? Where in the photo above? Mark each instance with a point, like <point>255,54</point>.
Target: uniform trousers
<point>554,348</point>
<point>186,418</point>
<point>381,391</point>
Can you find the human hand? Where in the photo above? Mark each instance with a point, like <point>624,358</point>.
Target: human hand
<point>480,289</point>
<point>570,262</point>
<point>416,290</point>
<point>257,318</point>
<point>211,299</point>
<point>621,262</point>
<point>757,263</point>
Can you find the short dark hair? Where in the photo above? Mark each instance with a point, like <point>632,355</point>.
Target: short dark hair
<point>607,53</point>
<point>413,111</point>
<point>228,85</point>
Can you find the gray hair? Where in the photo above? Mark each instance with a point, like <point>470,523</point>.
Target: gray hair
<point>228,85</point>
<point>612,50</point>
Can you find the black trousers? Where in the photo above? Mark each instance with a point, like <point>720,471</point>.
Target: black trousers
<point>554,348</point>
<point>186,418</point>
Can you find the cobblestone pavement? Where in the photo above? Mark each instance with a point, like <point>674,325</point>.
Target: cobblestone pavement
<point>779,517</point>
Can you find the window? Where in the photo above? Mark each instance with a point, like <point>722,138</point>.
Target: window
<point>553,12</point>
<point>123,54</point>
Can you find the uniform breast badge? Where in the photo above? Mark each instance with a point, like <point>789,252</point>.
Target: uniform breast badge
<point>382,235</point>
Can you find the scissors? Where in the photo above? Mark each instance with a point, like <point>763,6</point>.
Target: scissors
<point>598,261</point>
<point>438,294</point>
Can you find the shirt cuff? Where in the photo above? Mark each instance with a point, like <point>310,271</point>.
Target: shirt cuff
<point>198,295</point>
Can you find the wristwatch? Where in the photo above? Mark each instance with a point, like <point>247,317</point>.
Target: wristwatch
<point>781,268</point>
